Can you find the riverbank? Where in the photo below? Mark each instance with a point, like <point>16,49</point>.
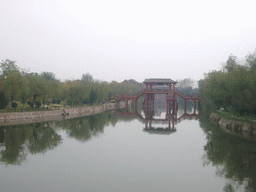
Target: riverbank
<point>233,126</point>
<point>41,116</point>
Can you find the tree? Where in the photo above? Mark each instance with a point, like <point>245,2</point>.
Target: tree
<point>8,66</point>
<point>187,82</point>
<point>11,79</point>
<point>231,63</point>
<point>233,87</point>
<point>48,76</point>
<point>3,101</point>
<point>12,84</point>
<point>24,91</point>
<point>215,88</point>
<point>251,61</point>
<point>87,78</point>
<point>37,86</point>
<point>92,97</point>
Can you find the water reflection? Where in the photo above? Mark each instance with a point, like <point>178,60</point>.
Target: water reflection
<point>233,156</point>
<point>157,120</point>
<point>18,140</point>
<point>83,128</point>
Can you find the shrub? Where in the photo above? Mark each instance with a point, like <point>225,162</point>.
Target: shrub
<point>37,103</point>
<point>14,105</point>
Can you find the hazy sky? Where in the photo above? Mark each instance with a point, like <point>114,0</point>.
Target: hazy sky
<point>132,39</point>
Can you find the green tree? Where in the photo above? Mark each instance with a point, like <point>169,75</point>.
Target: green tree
<point>8,66</point>
<point>10,79</point>
<point>12,84</point>
<point>92,97</point>
<point>233,87</point>
<point>251,61</point>
<point>37,86</point>
<point>3,101</point>
<point>48,76</point>
<point>24,91</point>
<point>87,78</point>
<point>231,63</point>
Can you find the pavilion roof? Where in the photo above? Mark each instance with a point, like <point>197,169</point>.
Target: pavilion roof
<point>159,80</point>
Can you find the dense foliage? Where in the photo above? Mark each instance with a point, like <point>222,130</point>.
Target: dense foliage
<point>3,101</point>
<point>232,88</point>
<point>19,86</point>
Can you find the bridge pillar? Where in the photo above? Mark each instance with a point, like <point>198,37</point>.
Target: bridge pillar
<point>150,101</point>
<point>185,106</point>
<point>167,107</point>
<point>146,103</point>
<point>175,107</point>
<point>194,106</point>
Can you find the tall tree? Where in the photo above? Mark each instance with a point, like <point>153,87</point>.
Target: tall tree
<point>37,86</point>
<point>12,84</point>
<point>10,79</point>
<point>87,78</point>
<point>8,66</point>
<point>231,63</point>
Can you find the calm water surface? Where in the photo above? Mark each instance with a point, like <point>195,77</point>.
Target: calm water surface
<point>114,152</point>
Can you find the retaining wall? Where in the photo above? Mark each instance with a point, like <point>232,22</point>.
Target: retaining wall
<point>245,129</point>
<point>41,116</point>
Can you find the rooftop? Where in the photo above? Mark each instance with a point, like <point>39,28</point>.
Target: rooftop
<point>159,80</point>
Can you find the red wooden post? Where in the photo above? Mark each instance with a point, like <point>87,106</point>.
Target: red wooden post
<point>185,106</point>
<point>194,106</point>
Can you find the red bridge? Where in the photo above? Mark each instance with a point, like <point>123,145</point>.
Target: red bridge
<point>159,86</point>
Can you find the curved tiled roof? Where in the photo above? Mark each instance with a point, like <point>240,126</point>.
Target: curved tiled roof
<point>159,80</point>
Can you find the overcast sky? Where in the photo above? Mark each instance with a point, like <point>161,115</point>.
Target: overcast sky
<point>132,39</point>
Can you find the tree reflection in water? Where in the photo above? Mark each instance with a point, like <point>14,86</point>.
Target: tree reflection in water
<point>84,128</point>
<point>234,157</point>
<point>18,140</point>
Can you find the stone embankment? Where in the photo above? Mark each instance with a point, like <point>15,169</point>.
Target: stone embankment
<point>41,116</point>
<point>246,129</point>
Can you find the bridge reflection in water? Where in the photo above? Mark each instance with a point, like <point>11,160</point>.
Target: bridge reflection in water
<point>159,124</point>
<point>154,89</point>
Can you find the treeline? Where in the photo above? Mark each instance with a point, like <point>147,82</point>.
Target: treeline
<point>232,88</point>
<point>18,86</point>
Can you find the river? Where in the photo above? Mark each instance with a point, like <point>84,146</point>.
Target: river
<point>114,151</point>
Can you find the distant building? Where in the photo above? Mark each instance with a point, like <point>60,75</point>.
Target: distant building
<point>133,82</point>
